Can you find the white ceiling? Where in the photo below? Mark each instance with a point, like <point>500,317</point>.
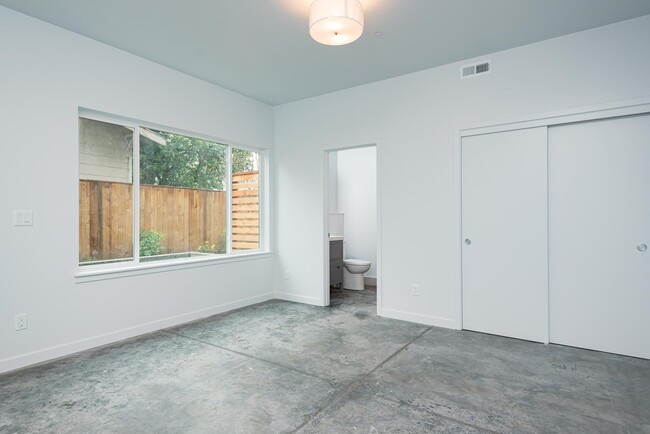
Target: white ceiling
<point>262,48</point>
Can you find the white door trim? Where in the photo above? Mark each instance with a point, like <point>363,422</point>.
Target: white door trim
<point>325,296</point>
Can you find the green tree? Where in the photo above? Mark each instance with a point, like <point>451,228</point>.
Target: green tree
<point>183,162</point>
<point>243,161</point>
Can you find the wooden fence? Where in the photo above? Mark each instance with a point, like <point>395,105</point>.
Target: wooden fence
<point>105,220</point>
<point>190,219</point>
<point>245,211</point>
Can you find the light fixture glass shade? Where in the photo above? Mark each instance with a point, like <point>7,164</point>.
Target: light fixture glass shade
<point>336,22</point>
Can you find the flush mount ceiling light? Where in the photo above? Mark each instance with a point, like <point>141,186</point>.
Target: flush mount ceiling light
<point>336,22</point>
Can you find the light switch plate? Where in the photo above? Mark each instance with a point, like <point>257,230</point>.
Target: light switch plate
<point>23,217</point>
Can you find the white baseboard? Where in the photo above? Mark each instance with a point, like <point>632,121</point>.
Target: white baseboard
<point>299,298</point>
<point>419,318</point>
<point>51,353</point>
<point>47,354</point>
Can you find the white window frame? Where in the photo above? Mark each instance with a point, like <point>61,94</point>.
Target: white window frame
<point>134,266</point>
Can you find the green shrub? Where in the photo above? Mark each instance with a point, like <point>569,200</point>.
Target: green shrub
<point>151,243</point>
<point>206,248</point>
<point>218,247</point>
<point>211,248</point>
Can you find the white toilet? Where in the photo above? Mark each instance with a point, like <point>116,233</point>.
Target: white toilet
<point>353,270</point>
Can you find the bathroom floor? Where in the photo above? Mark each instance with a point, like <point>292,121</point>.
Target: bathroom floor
<point>339,296</point>
<point>280,367</point>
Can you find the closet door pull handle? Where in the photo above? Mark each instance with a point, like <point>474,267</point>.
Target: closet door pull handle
<point>642,247</point>
<point>468,241</point>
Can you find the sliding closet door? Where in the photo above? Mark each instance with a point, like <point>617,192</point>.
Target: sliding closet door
<point>599,220</point>
<point>504,226</point>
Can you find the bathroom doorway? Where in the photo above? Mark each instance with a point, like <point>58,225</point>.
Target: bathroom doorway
<point>352,259</point>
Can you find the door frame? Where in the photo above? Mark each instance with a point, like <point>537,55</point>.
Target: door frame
<point>325,235</point>
<point>548,119</point>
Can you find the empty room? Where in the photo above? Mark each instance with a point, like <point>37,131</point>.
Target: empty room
<point>325,216</point>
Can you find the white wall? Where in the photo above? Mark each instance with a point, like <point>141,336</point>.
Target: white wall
<point>46,75</point>
<point>357,200</point>
<point>413,119</point>
<point>333,188</point>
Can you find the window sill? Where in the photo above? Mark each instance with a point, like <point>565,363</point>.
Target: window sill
<point>161,267</point>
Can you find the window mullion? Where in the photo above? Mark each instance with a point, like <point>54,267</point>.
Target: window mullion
<point>261,205</point>
<point>229,201</point>
<point>136,195</point>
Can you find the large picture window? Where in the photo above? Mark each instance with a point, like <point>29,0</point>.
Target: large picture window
<point>147,194</point>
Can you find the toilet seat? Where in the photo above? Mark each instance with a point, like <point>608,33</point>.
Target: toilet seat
<point>356,262</point>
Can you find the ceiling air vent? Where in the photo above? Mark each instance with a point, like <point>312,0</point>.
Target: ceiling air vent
<point>475,69</point>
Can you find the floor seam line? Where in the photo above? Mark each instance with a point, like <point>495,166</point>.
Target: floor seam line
<point>328,381</point>
<point>416,408</point>
<point>410,406</point>
<point>355,383</point>
<point>438,414</point>
<point>398,351</point>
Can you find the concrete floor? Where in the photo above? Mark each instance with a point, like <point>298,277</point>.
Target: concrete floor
<point>286,367</point>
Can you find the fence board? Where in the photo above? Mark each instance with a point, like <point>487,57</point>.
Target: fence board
<point>244,224</point>
<point>240,245</point>
<point>241,237</point>
<point>246,230</point>
<point>244,200</point>
<point>245,185</point>
<point>238,211</point>
<point>240,193</point>
<point>244,176</point>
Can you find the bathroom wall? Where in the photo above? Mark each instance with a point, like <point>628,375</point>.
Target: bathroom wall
<point>357,200</point>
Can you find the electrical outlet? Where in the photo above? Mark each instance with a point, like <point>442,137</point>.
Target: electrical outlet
<point>415,289</point>
<point>20,321</point>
